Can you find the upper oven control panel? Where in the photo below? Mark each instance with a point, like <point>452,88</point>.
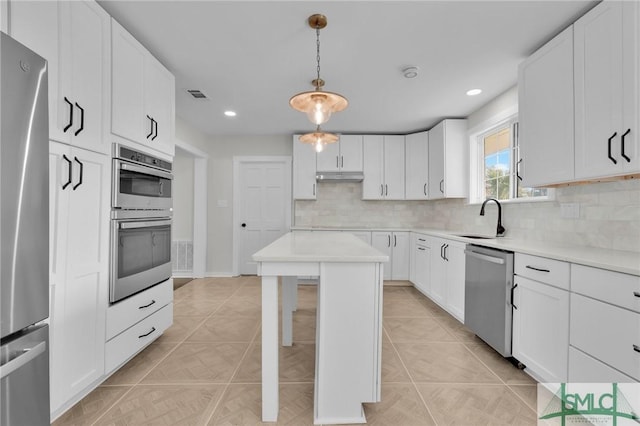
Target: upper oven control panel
<point>141,158</point>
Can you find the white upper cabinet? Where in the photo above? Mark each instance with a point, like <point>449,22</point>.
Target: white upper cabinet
<point>342,156</point>
<point>545,95</point>
<point>304,170</point>
<point>74,38</point>
<point>143,94</point>
<point>606,90</point>
<point>383,167</point>
<point>417,166</point>
<point>448,160</point>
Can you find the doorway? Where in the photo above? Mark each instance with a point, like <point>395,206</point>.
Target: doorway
<point>189,240</point>
<point>261,206</point>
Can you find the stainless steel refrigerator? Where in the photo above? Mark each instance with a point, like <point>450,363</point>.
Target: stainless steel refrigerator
<point>24,236</point>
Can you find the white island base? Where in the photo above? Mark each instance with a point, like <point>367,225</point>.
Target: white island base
<point>348,320</point>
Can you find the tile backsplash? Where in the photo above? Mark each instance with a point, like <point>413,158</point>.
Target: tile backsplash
<point>609,214</point>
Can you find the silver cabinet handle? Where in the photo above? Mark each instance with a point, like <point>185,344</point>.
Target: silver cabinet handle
<point>386,189</point>
<point>381,189</point>
<point>425,189</point>
<point>389,242</point>
<point>28,355</point>
<point>144,224</point>
<point>441,186</point>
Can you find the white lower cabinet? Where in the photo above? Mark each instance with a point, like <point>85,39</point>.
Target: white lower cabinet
<point>541,329</point>
<point>447,269</point>
<point>541,316</point>
<point>396,246</point>
<point>584,368</point>
<point>137,321</point>
<point>79,264</point>
<point>420,263</point>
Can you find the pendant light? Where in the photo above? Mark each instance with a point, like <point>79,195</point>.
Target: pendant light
<point>318,104</point>
<point>318,138</point>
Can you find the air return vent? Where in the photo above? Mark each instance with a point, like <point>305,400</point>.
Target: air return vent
<point>196,94</point>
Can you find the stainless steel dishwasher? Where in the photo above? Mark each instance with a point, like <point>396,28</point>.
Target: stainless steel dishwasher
<point>488,289</point>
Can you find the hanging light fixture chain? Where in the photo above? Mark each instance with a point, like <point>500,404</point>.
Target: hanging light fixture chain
<point>318,56</point>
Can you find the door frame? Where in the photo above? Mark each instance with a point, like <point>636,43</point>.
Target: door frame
<point>238,161</point>
<point>199,238</point>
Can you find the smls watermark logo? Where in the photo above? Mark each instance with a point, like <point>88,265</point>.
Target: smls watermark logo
<point>601,404</point>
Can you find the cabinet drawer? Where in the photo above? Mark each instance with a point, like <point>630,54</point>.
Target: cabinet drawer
<point>586,369</point>
<point>613,287</point>
<point>548,271</point>
<point>607,333</point>
<point>421,240</point>
<point>128,343</point>
<point>124,314</point>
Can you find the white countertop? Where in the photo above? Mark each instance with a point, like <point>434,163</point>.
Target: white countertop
<point>301,246</point>
<point>613,260</point>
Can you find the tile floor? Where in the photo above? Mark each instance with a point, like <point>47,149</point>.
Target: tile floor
<point>205,370</point>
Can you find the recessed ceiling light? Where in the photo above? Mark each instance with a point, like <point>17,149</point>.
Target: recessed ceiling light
<point>230,113</point>
<point>474,92</point>
<point>410,72</point>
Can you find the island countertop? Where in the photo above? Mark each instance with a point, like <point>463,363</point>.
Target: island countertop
<point>301,246</point>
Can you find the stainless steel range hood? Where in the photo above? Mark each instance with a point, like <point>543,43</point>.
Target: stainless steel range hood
<point>339,176</point>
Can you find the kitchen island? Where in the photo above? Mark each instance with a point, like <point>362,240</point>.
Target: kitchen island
<point>348,320</point>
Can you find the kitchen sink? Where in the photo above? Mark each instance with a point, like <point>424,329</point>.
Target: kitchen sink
<point>474,236</point>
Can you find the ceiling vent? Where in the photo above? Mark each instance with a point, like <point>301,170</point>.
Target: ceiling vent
<point>196,94</point>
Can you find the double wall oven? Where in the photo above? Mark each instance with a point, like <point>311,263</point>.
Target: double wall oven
<point>140,222</point>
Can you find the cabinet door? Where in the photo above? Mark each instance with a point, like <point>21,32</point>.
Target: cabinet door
<point>438,273</point>
<point>373,167</point>
<point>599,91</point>
<point>545,108</point>
<point>436,162</point>
<point>128,119</point>
<point>422,269</point>
<point>400,260</point>
<point>382,242</point>
<point>329,159</point>
<point>36,25</point>
<point>417,166</point>
<point>631,84</point>
<point>455,279</point>
<point>159,101</point>
<point>304,170</point>
<point>84,292</point>
<point>351,153</point>
<point>541,329</point>
<point>394,167</point>
<point>85,26</point>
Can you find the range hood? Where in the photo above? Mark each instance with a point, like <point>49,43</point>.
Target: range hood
<point>339,176</point>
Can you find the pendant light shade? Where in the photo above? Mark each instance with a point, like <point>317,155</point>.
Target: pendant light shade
<point>318,139</point>
<point>318,104</point>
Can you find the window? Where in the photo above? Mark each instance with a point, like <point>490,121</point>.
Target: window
<point>497,165</point>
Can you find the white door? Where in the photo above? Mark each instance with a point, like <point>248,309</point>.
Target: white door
<point>264,206</point>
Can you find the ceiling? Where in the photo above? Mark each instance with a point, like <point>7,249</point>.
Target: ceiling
<point>252,56</point>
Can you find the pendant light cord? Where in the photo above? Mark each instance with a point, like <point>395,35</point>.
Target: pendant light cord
<point>318,57</point>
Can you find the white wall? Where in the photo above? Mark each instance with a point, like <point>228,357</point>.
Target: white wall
<point>182,196</point>
<point>221,151</point>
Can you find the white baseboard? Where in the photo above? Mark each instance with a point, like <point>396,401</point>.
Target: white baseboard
<point>182,274</point>
<point>210,274</point>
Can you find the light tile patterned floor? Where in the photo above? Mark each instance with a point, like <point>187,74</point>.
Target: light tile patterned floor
<point>205,370</point>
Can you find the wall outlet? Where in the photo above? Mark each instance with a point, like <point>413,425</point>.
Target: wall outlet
<point>570,210</point>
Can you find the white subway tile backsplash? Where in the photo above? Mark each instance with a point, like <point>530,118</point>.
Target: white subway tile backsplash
<point>609,214</point>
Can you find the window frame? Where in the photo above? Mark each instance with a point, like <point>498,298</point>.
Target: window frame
<point>476,160</point>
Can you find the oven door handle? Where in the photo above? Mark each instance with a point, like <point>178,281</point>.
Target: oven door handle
<point>145,170</point>
<point>144,224</point>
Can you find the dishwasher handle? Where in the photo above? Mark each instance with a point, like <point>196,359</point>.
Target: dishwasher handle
<point>496,260</point>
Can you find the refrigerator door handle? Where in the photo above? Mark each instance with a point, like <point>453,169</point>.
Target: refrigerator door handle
<point>27,356</point>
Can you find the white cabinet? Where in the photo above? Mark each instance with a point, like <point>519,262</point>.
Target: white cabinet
<point>419,268</point>
<point>383,167</point>
<point>546,113</point>
<point>342,156</point>
<point>447,268</point>
<point>396,246</point>
<point>74,38</point>
<point>448,160</point>
<point>541,316</point>
<point>142,94</point>
<point>304,170</point>
<point>607,94</point>
<point>79,257</point>
<point>417,166</point>
<point>605,321</point>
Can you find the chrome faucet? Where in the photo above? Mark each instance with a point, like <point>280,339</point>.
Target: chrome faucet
<point>500,229</point>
